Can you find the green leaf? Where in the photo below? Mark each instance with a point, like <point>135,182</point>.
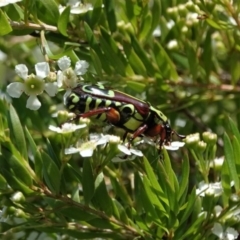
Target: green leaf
<point>229,158</point>
<point>5,27</point>
<point>76,213</point>
<point>142,54</point>
<point>120,191</point>
<point>152,196</point>
<point>234,129</point>
<point>136,86</point>
<point>16,183</point>
<point>155,185</point>
<point>213,24</point>
<point>51,173</point>
<point>63,21</point>
<point>101,198</point>
<point>96,62</point>
<point>87,181</point>
<point>183,184</point>
<point>119,212</point>
<point>17,131</point>
<point>236,151</point>
<point>96,13</point>
<point>38,165</point>
<point>3,183</point>
<point>166,66</point>
<point>90,36</point>
<point>17,163</point>
<point>156,12</point>
<point>50,12</point>
<point>226,183</point>
<point>110,14</point>
<point>112,53</point>
<point>192,60</point>
<point>186,212</point>
<point>145,199</point>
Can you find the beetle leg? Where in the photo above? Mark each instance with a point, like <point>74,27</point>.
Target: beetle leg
<point>137,133</point>
<point>112,114</point>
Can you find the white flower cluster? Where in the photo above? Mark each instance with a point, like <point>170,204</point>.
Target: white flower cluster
<point>45,80</point>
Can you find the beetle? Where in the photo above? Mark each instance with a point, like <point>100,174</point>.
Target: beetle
<point>121,110</point>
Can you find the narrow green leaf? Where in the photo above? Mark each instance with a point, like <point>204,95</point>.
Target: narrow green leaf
<point>16,183</point>
<point>213,24</point>
<point>192,60</point>
<point>5,27</point>
<point>75,213</point>
<point>166,66</point>
<point>96,13</point>
<point>96,63</point>
<point>110,14</point>
<point>136,86</point>
<point>87,181</point>
<point>90,36</point>
<point>236,151</point>
<point>51,10</point>
<point>38,165</point>
<point>155,185</point>
<point>134,60</point>
<point>234,129</point>
<point>122,216</point>
<point>51,173</point>
<point>17,163</point>
<point>3,183</point>
<point>63,21</point>
<point>226,183</point>
<point>183,184</point>
<point>156,12</point>
<point>152,196</point>
<point>143,56</point>
<point>189,207</point>
<point>229,158</point>
<point>145,200</point>
<point>146,27</point>
<point>101,198</point>
<point>121,191</point>
<point>17,131</point>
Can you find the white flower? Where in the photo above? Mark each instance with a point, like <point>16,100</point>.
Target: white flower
<point>66,76</point>
<point>126,154</point>
<point>67,127</point>
<point>33,85</point>
<point>6,2</point>
<point>78,8</point>
<point>214,189</point>
<point>174,145</point>
<point>217,162</point>
<point>86,148</point>
<point>228,234</point>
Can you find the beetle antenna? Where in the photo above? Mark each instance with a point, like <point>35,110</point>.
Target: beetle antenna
<point>179,135</point>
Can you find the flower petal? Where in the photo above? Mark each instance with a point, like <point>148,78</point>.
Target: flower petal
<point>71,150</point>
<point>64,63</point>
<point>6,2</point>
<point>86,152</point>
<point>66,94</point>
<point>136,152</point>
<point>15,89</point>
<point>42,69</point>
<point>81,67</point>
<point>21,70</point>
<point>33,103</point>
<point>124,149</point>
<point>60,78</point>
<point>51,88</point>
